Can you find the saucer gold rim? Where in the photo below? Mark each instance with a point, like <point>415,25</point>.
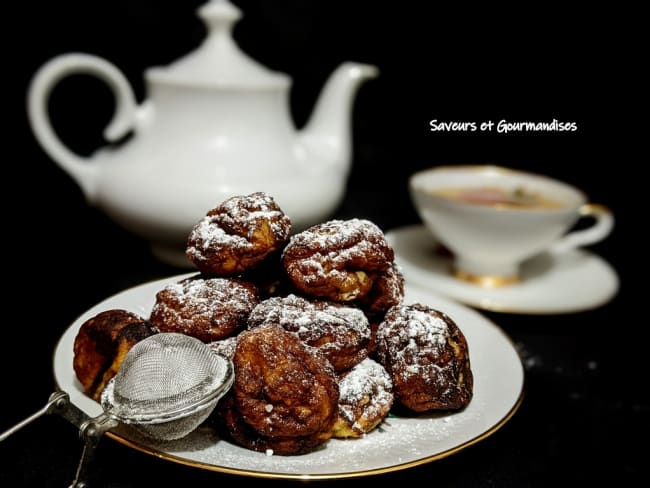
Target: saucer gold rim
<point>486,281</point>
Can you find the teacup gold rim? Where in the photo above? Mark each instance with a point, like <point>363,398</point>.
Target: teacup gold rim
<point>487,280</point>
<point>505,170</point>
<point>588,209</point>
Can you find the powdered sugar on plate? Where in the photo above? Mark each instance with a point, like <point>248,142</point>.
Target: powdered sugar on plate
<point>399,440</point>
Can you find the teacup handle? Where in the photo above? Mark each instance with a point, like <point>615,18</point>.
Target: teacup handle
<point>601,228</point>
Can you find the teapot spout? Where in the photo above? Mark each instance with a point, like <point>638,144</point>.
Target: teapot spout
<point>327,134</point>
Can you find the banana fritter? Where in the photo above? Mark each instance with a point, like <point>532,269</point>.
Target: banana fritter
<point>237,235</point>
<point>283,389</point>
<point>427,357</point>
<point>209,309</point>
<point>338,259</point>
<point>101,345</point>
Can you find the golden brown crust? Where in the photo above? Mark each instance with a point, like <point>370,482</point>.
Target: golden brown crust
<point>284,388</point>
<point>340,332</point>
<point>237,235</point>
<point>387,291</point>
<point>230,424</point>
<point>337,260</point>
<point>427,357</point>
<point>208,309</point>
<point>101,345</point>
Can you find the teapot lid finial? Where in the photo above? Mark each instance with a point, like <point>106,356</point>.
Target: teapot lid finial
<point>218,61</point>
<point>219,14</point>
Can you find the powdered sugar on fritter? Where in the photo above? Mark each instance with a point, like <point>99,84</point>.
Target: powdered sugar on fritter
<point>309,319</point>
<point>368,385</point>
<point>233,223</point>
<point>336,243</point>
<point>410,339</point>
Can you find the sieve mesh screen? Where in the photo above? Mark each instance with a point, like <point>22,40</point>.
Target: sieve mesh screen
<point>165,377</point>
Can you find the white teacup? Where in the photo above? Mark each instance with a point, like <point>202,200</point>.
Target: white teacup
<point>493,218</point>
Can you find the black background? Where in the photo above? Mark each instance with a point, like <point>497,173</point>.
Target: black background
<point>537,64</point>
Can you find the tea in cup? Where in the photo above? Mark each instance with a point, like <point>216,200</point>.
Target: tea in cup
<point>492,218</point>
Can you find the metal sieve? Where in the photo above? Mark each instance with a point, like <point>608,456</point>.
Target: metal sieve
<point>167,385</point>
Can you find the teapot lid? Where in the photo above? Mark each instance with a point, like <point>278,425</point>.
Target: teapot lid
<point>218,61</point>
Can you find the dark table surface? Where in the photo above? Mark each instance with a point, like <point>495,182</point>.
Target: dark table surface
<point>585,415</point>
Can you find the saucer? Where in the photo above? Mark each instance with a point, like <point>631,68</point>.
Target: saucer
<point>574,281</point>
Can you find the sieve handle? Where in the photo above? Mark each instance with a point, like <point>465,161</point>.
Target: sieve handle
<point>59,402</point>
<point>91,431</point>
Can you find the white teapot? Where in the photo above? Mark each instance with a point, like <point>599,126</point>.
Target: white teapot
<point>215,124</point>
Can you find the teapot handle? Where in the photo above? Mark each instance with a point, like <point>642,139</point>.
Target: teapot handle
<point>79,168</point>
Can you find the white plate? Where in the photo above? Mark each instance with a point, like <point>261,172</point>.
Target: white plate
<point>398,444</point>
<point>571,282</point>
